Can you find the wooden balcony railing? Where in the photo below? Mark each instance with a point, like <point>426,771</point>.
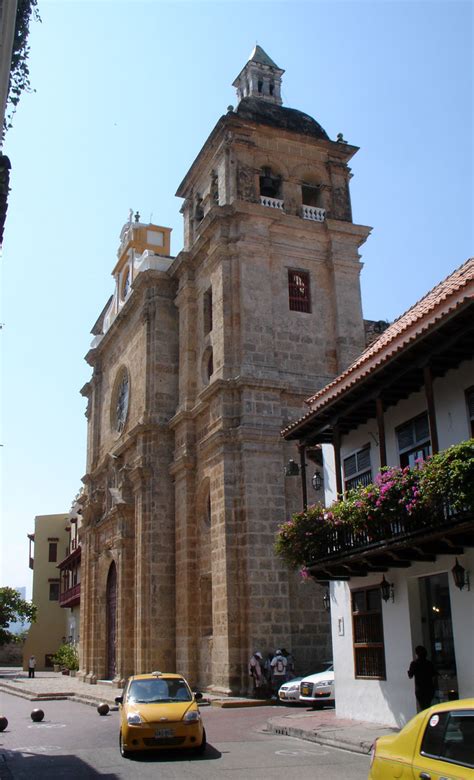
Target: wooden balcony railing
<point>71,596</point>
<point>343,551</point>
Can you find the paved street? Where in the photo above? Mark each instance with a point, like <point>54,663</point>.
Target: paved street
<point>74,741</point>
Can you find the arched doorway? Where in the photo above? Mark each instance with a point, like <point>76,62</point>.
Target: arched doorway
<point>111,622</point>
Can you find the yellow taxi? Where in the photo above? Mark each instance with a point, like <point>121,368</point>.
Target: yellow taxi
<point>437,744</point>
<point>159,710</point>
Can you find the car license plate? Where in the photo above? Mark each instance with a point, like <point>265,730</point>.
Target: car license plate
<point>305,690</point>
<point>164,733</point>
<point>282,695</point>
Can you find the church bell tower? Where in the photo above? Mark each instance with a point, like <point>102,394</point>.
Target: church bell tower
<point>269,309</point>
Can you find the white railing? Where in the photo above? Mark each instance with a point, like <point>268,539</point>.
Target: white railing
<point>272,203</point>
<point>313,212</point>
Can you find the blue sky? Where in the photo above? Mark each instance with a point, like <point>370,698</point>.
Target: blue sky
<point>125,95</point>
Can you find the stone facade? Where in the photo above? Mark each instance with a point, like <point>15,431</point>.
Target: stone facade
<point>198,363</point>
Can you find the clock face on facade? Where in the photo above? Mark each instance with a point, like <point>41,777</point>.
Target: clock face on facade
<point>121,405</point>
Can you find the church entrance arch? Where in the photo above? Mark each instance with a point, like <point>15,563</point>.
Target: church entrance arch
<point>111,622</point>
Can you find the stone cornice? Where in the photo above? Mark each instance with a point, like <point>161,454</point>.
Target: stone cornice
<point>226,386</point>
<point>126,443</point>
<point>141,283</point>
<point>183,463</point>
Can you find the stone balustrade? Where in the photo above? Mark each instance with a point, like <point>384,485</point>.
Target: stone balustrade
<point>272,203</point>
<point>313,212</point>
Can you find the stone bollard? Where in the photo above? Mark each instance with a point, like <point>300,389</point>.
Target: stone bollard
<point>37,715</point>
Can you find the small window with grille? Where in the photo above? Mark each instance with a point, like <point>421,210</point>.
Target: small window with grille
<point>298,289</point>
<point>414,440</point>
<point>470,408</point>
<point>357,469</point>
<point>369,651</point>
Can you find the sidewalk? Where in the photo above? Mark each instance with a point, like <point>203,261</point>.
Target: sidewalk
<point>320,726</point>
<point>323,727</point>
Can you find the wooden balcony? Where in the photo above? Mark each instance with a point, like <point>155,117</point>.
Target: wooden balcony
<point>344,552</point>
<point>71,596</point>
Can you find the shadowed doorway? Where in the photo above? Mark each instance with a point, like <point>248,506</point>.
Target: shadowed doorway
<point>111,622</point>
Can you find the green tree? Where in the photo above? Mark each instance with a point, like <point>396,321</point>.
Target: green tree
<point>13,608</point>
<point>19,71</point>
<point>67,657</point>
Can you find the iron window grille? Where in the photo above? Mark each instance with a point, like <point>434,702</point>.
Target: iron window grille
<point>298,289</point>
<point>368,639</point>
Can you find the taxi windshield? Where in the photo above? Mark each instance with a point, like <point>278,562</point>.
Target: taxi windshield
<point>158,690</point>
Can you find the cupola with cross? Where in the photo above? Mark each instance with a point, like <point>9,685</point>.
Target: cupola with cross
<point>260,77</point>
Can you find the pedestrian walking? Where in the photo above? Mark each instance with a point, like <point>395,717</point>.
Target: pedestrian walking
<point>278,665</point>
<point>425,677</point>
<point>256,673</point>
<point>31,666</point>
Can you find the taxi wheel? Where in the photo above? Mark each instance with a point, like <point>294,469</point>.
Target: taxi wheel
<point>124,753</point>
<point>202,747</point>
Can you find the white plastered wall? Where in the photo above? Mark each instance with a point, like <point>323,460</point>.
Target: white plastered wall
<point>392,701</point>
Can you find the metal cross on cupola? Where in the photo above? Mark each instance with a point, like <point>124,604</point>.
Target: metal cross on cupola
<point>260,78</point>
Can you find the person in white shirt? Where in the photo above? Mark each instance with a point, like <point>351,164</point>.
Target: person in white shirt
<point>31,666</point>
<point>278,665</point>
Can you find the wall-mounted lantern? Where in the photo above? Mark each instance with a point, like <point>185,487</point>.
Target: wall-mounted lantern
<point>317,481</point>
<point>292,469</point>
<point>460,576</point>
<point>387,590</point>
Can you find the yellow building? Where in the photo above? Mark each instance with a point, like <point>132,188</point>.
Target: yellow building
<point>48,546</point>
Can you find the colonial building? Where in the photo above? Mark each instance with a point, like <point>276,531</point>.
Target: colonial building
<point>406,582</point>
<point>70,574</point>
<point>48,545</point>
<point>198,362</point>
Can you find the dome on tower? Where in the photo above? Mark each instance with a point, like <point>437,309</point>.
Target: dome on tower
<point>258,88</point>
<point>279,116</point>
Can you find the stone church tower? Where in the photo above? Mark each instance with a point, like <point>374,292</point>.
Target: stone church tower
<point>198,362</point>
